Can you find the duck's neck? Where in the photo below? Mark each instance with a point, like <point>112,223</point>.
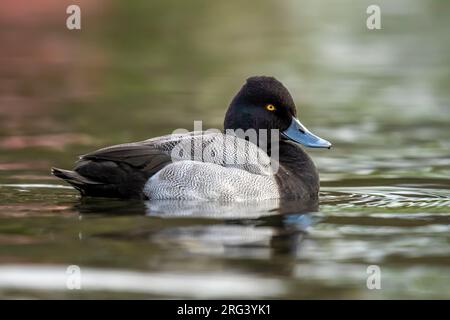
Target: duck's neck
<point>297,175</point>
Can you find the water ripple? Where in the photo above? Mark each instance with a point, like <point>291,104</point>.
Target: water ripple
<point>385,197</point>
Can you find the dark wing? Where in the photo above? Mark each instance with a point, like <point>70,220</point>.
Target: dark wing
<point>142,155</point>
<point>119,171</point>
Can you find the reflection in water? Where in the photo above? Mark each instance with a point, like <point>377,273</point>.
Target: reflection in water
<point>207,209</point>
<point>240,229</point>
<point>194,208</point>
<point>230,210</point>
<point>233,240</point>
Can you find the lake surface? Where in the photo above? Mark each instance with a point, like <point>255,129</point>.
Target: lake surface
<point>141,70</point>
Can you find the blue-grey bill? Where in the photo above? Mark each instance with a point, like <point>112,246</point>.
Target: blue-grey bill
<point>297,132</point>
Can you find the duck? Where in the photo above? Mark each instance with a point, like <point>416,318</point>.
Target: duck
<point>213,165</point>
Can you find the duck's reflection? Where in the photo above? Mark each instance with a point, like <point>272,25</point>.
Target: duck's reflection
<point>208,209</point>
<point>194,209</point>
<point>253,239</point>
<point>242,232</point>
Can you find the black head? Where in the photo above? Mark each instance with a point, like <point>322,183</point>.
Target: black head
<point>264,103</point>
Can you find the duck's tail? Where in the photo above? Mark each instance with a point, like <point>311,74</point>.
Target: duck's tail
<point>75,179</point>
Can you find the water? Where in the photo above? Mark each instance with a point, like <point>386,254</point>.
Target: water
<point>141,70</point>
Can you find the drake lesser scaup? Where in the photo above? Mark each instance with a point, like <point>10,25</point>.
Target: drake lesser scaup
<point>225,169</point>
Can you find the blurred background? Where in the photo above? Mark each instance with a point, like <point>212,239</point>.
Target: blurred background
<point>144,68</point>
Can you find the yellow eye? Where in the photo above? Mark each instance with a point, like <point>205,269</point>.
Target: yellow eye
<point>270,107</point>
